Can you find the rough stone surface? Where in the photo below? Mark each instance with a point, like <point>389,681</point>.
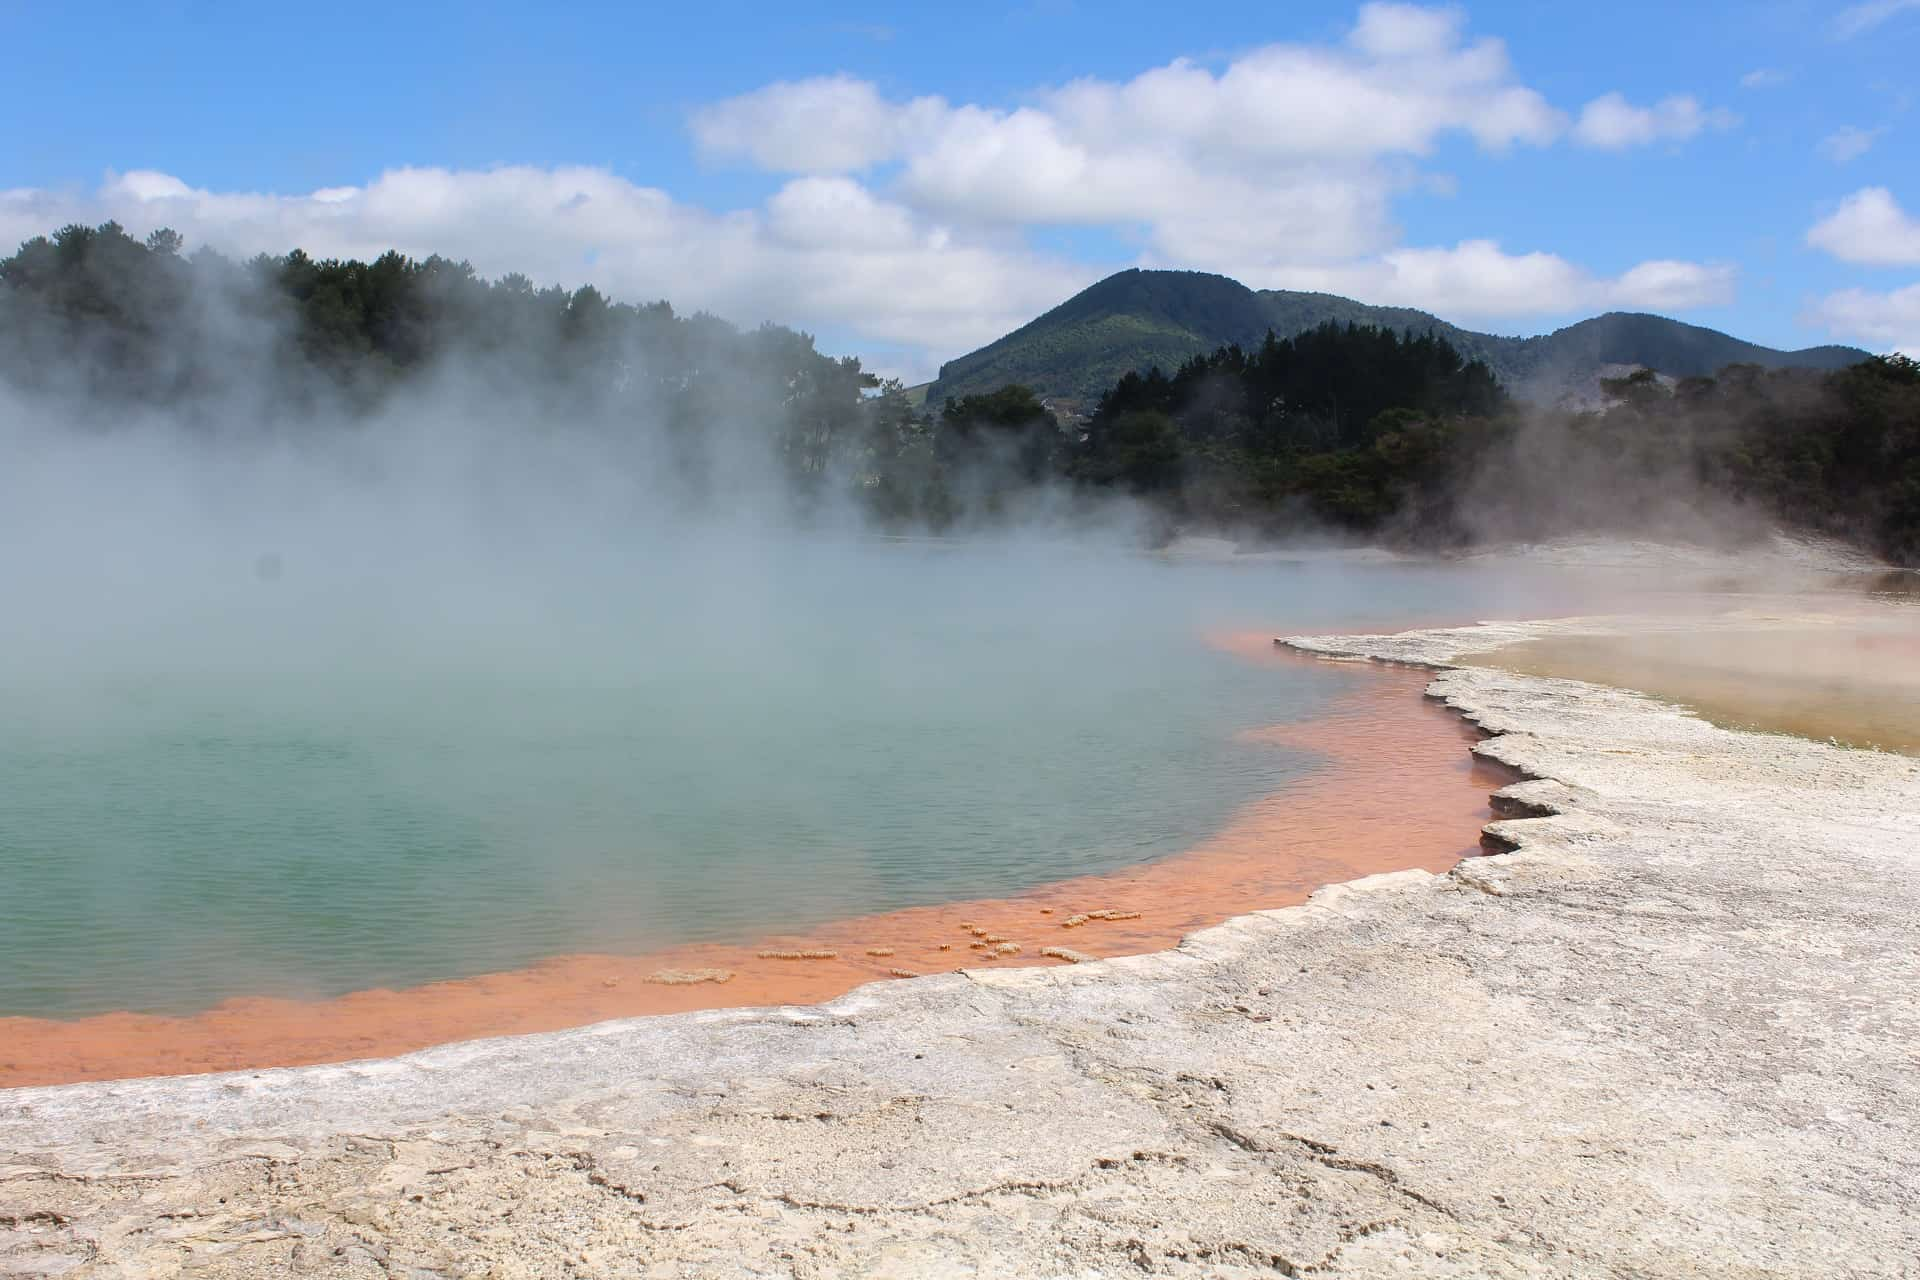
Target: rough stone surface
<point>1672,1033</point>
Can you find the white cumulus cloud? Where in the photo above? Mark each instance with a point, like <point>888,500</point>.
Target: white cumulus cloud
<point>1288,154</point>
<point>1612,123</point>
<point>1404,76</point>
<point>1869,227</point>
<point>1477,279</point>
<point>1301,146</point>
<point>1888,321</point>
<point>1668,284</point>
<point>826,124</point>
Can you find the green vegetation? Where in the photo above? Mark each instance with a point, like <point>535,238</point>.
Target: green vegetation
<point>104,326</point>
<point>1391,431</point>
<point>1837,452</point>
<point>1127,323</point>
<point>1350,425</point>
<point>1402,439</point>
<point>102,330</point>
<point>1135,320</point>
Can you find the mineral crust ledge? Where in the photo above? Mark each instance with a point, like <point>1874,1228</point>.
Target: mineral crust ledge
<point>1671,1033</point>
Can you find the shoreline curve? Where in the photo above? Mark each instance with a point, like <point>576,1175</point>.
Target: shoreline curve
<point>1322,828</point>
<point>1669,1034</point>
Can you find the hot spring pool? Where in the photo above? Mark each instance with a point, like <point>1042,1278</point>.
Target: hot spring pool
<point>317,773</point>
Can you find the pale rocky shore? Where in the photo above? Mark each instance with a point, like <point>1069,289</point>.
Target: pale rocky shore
<point>1673,1033</point>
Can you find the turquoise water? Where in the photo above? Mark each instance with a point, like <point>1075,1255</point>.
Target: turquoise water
<point>308,774</point>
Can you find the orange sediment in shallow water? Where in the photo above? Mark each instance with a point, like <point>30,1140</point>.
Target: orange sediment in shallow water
<point>1855,682</point>
<point>1399,789</point>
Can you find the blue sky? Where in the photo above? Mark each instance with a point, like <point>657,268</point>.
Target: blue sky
<point>910,183</point>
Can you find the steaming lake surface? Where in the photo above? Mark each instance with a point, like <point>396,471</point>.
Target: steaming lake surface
<point>307,776</point>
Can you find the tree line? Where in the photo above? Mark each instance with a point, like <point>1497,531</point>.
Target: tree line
<point>1399,436</point>
<point>1386,434</point>
<point>105,326</point>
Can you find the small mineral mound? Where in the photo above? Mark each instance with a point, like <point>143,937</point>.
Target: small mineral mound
<point>1105,913</point>
<point>688,977</point>
<point>903,973</point>
<point>879,951</point>
<point>799,955</point>
<point>1065,953</point>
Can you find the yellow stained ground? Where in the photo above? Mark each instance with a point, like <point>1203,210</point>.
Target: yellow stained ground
<point>1856,681</point>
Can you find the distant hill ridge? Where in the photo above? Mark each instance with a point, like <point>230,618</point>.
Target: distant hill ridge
<point>1137,318</point>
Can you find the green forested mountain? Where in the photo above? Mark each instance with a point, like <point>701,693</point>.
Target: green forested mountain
<point>1127,323</point>
<point>1136,320</point>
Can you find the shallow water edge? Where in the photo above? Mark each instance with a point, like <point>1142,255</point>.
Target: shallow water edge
<point>1605,1049</point>
<point>1398,789</point>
